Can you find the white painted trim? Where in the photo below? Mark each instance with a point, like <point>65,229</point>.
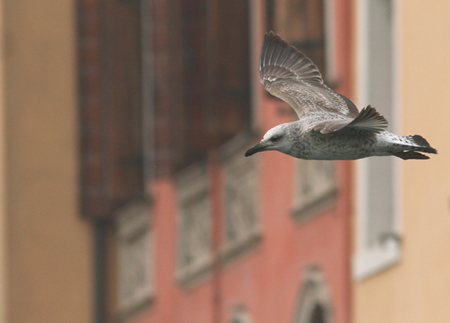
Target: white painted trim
<point>330,41</point>
<point>369,261</point>
<point>361,165</point>
<point>397,113</point>
<point>372,261</point>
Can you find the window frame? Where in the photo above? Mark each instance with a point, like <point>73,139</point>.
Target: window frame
<point>233,165</point>
<point>369,260</point>
<point>192,189</point>
<point>324,191</point>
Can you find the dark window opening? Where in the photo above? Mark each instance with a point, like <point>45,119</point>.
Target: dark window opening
<point>318,315</point>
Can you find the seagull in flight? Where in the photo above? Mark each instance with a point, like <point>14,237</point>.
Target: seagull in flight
<point>330,127</point>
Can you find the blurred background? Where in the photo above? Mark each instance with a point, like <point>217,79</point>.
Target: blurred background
<point>125,195</point>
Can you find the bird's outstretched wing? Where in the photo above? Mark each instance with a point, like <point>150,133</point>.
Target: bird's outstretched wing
<point>289,75</point>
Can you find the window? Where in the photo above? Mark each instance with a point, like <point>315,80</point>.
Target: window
<point>318,315</point>
<point>315,187</point>
<point>135,261</point>
<point>241,191</point>
<point>194,225</point>
<point>378,182</point>
<point>314,304</point>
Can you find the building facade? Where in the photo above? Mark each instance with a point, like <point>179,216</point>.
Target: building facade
<point>125,195</point>
<point>195,232</point>
<point>400,267</point>
<point>185,228</point>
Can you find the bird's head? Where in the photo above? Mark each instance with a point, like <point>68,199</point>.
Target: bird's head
<point>277,138</point>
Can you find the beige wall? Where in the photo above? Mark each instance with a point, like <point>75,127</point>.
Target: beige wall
<point>417,290</point>
<point>48,246</point>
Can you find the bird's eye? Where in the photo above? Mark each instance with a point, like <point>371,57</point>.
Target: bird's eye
<point>275,138</point>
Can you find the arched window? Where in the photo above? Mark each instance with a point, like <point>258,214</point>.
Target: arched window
<point>314,305</point>
<point>318,315</point>
<point>239,314</point>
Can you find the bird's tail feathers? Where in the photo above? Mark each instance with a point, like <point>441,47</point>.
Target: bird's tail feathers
<point>411,155</point>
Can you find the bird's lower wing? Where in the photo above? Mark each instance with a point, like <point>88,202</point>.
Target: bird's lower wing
<point>368,119</point>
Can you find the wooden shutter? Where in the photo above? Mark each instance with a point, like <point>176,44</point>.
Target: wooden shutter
<point>215,76</point>
<point>111,152</point>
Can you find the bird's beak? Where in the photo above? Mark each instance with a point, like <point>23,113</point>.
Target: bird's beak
<point>256,148</point>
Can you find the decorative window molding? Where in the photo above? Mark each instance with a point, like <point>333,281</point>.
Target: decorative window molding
<point>194,225</point>
<point>239,314</point>
<point>314,304</point>
<point>378,186</point>
<point>315,187</point>
<point>242,229</point>
<point>135,258</point>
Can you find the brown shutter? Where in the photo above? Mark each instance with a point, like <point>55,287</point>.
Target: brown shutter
<point>215,76</point>
<point>110,106</point>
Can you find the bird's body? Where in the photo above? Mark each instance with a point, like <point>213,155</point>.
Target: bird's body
<point>348,144</point>
<point>330,127</point>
